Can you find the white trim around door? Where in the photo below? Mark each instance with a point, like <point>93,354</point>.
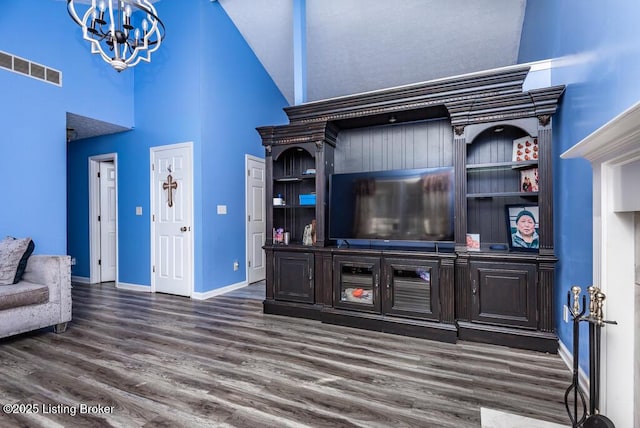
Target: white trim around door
<point>255,218</point>
<point>94,212</point>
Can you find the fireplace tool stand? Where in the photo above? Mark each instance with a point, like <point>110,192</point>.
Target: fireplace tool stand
<point>590,417</point>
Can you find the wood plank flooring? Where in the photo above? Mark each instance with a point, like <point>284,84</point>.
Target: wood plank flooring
<point>159,360</point>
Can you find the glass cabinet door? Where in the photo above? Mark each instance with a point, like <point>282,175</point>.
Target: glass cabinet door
<point>356,282</point>
<point>411,288</point>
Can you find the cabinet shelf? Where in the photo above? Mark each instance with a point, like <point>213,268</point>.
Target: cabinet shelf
<point>502,195</point>
<point>294,178</point>
<point>290,207</point>
<point>500,165</point>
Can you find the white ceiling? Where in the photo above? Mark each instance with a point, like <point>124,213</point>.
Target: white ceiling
<point>356,46</point>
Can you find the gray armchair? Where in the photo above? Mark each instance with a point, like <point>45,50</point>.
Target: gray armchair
<point>41,299</point>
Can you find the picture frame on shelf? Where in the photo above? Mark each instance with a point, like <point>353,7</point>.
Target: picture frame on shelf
<point>529,180</point>
<point>522,222</point>
<point>525,149</point>
<point>473,242</point>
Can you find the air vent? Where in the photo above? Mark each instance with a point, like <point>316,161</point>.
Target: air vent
<point>31,69</point>
<point>6,60</point>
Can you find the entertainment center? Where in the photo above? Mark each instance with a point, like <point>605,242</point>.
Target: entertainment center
<point>394,182</point>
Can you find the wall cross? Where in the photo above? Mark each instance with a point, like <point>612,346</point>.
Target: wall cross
<point>170,185</point>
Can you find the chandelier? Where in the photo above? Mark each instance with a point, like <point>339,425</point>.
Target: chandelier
<point>115,35</point>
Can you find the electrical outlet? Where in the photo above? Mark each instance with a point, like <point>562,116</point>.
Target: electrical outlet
<point>236,265</point>
<point>73,261</point>
<point>565,313</point>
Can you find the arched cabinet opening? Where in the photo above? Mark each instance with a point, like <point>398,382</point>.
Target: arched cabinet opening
<point>294,190</point>
<point>501,172</point>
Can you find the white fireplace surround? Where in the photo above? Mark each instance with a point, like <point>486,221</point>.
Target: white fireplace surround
<point>614,153</point>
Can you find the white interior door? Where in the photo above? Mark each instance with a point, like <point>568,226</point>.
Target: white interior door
<point>172,181</point>
<point>107,221</point>
<point>256,223</point>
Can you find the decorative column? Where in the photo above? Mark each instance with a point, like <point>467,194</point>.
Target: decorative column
<point>447,302</point>
<point>462,273</point>
<point>545,174</point>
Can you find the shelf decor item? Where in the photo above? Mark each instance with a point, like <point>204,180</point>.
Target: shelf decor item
<point>307,199</point>
<point>307,235</point>
<point>525,149</point>
<point>529,180</point>
<point>473,242</point>
<point>522,227</point>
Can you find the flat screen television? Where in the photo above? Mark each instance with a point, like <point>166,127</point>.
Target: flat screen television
<point>412,205</point>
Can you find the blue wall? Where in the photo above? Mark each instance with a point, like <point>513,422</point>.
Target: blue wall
<point>238,96</point>
<point>207,88</point>
<point>596,53</point>
<point>33,120</point>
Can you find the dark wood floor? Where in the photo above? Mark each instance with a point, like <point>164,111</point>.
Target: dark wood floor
<point>168,361</point>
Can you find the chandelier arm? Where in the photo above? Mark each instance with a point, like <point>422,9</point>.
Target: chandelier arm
<point>72,12</point>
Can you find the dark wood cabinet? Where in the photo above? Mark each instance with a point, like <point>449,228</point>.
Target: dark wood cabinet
<point>446,292</point>
<point>404,287</point>
<point>504,294</point>
<point>299,160</point>
<point>393,291</point>
<point>293,277</point>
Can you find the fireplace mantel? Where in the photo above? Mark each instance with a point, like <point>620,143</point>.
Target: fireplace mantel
<point>614,153</point>
<point>616,138</point>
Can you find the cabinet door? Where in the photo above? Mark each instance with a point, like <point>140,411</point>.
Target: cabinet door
<point>504,294</point>
<point>356,283</point>
<point>294,277</point>
<point>410,288</point>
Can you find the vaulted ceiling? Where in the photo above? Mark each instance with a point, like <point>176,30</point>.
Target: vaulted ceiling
<point>362,45</point>
<point>355,46</point>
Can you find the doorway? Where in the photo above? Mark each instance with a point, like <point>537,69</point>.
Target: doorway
<point>256,222</point>
<point>103,218</point>
<point>172,219</point>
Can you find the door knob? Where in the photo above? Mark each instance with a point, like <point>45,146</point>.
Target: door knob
<point>183,229</point>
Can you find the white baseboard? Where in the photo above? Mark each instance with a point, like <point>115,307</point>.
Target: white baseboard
<point>567,357</point>
<point>195,296</point>
<point>218,291</point>
<point>133,287</point>
<point>80,279</point>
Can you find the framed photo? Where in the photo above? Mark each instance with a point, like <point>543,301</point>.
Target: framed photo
<point>473,241</point>
<point>529,180</point>
<point>525,149</point>
<point>522,227</point>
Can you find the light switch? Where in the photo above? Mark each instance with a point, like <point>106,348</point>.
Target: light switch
<point>222,209</point>
<point>138,210</point>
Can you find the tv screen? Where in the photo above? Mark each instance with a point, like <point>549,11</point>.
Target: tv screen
<point>396,205</point>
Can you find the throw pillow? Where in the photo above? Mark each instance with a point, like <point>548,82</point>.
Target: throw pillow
<point>11,252</point>
<point>23,261</point>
